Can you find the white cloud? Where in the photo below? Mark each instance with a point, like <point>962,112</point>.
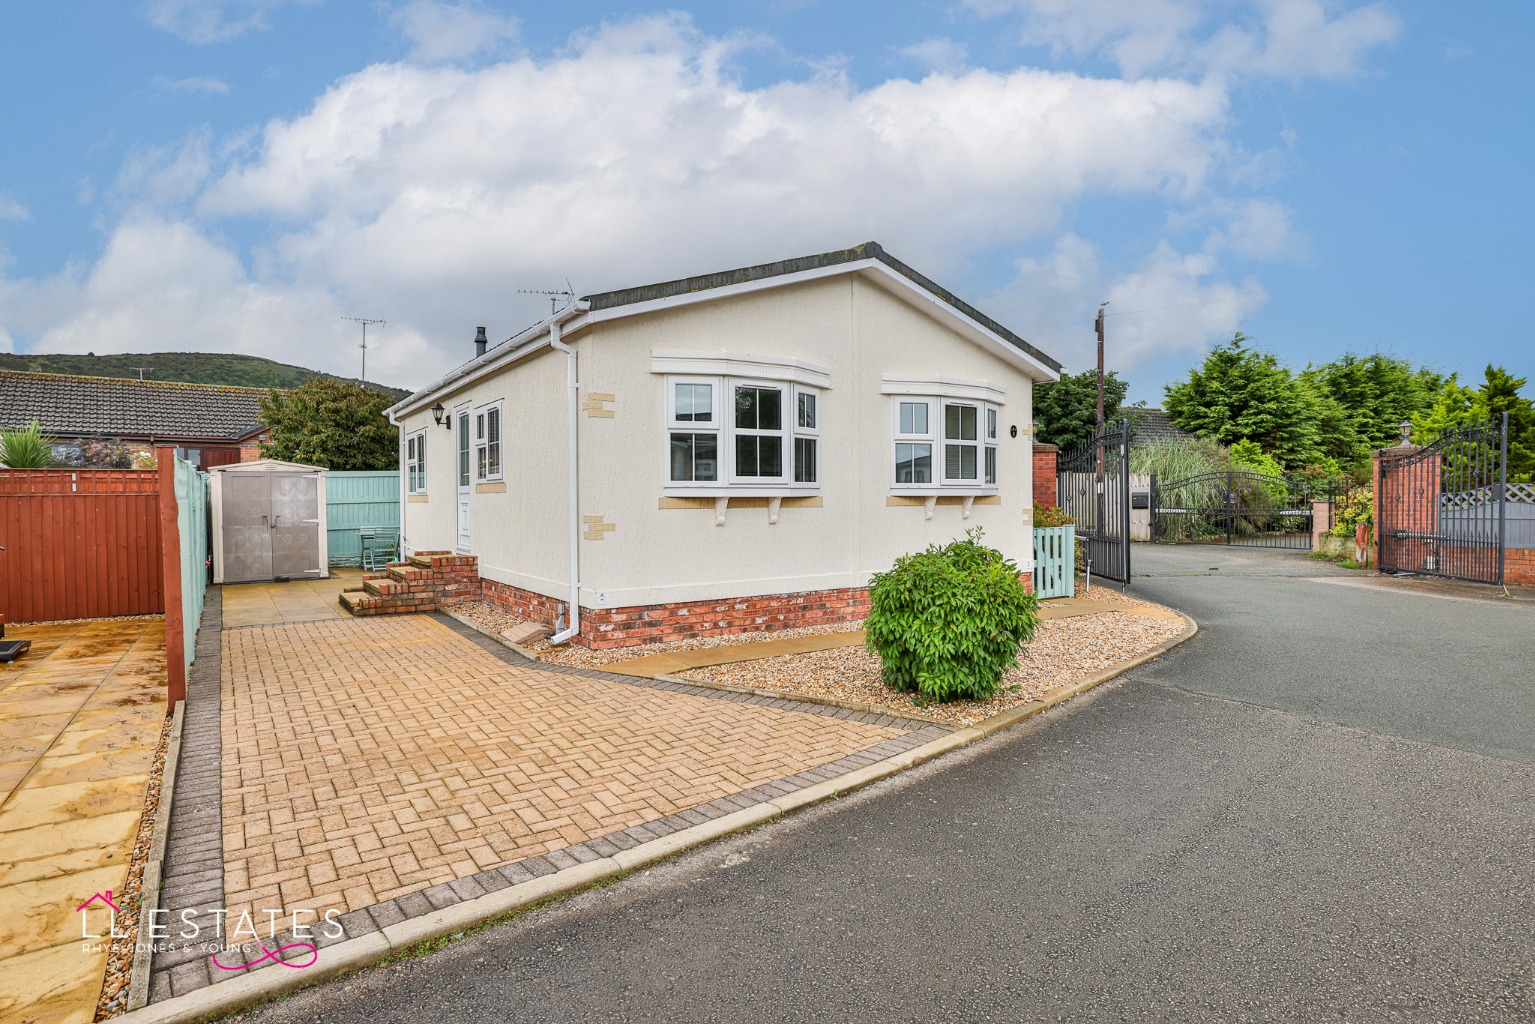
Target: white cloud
<point>452,31</point>
<point>1172,302</point>
<point>428,194</point>
<point>212,21</point>
<point>938,53</point>
<point>162,83</point>
<point>1289,39</point>
<point>10,209</point>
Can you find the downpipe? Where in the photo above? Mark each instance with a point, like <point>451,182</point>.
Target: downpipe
<point>573,388</point>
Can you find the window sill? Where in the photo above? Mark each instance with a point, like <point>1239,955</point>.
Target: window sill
<point>944,490</point>
<point>929,501</point>
<point>743,491</point>
<point>415,498</point>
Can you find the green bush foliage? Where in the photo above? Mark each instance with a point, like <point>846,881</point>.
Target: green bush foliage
<point>1047,516</point>
<point>949,622</point>
<point>1351,510</point>
<point>26,448</point>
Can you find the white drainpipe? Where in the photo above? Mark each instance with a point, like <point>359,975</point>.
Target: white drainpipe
<point>400,443</point>
<point>573,385</point>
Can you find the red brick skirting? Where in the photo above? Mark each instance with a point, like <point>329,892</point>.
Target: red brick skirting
<point>603,628</point>
<point>1519,566</point>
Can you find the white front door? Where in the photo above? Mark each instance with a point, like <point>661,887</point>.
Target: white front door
<point>461,431</point>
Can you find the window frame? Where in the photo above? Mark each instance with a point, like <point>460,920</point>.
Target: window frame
<point>415,464</point>
<point>985,444</point>
<point>811,435</point>
<point>727,482</point>
<point>481,442</point>
<point>714,427</point>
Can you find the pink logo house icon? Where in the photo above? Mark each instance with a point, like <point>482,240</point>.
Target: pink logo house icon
<point>84,910</point>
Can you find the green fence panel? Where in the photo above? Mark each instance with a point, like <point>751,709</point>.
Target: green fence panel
<point>192,525</point>
<point>354,500</point>
<point>1055,561</point>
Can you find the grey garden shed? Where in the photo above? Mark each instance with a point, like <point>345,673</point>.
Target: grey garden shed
<point>268,521</point>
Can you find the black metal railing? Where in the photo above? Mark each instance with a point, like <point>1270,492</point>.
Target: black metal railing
<point>1239,507</point>
<point>1093,485</point>
<point>1441,506</point>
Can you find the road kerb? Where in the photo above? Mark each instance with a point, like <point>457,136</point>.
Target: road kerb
<point>226,997</point>
<point>683,839</point>
<point>154,866</point>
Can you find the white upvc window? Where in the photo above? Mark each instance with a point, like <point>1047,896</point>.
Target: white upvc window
<point>735,433</point>
<point>916,421</point>
<point>942,442</point>
<point>487,442</point>
<point>415,462</point>
<point>693,429</point>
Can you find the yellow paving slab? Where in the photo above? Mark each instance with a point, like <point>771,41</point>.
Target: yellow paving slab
<point>80,720</point>
<point>57,985</point>
<point>265,604</point>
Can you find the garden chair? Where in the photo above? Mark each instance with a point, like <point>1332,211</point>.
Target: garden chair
<point>380,546</point>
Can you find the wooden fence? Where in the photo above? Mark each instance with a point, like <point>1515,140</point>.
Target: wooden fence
<point>99,543</point>
<point>79,544</point>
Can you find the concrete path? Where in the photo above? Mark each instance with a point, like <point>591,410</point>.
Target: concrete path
<point>1320,808</point>
<point>261,604</point>
<point>80,721</point>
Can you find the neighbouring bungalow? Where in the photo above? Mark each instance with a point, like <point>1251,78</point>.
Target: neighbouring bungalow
<point>208,425</point>
<point>732,452</point>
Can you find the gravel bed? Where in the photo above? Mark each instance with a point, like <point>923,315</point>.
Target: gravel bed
<point>1062,653</point>
<point>492,621</point>
<point>125,935</point>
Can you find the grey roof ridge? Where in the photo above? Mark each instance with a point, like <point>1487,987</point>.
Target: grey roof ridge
<point>780,268</point>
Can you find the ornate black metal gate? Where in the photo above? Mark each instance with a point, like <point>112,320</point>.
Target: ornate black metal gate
<point>1093,485</point>
<point>1235,507</point>
<point>1441,507</point>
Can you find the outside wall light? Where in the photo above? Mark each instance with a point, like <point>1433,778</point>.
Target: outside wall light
<point>437,413</point>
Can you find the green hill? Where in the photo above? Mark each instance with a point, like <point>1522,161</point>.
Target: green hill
<point>188,367</point>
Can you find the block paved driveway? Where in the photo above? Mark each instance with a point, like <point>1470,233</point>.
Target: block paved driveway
<point>368,759</point>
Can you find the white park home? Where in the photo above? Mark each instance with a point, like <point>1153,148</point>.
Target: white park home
<point>735,451</point>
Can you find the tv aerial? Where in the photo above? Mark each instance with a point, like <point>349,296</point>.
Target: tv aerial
<point>555,295</point>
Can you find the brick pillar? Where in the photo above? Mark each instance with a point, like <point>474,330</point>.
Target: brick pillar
<point>1409,500</point>
<point>1044,474</point>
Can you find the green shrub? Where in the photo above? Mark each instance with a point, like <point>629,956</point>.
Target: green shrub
<point>26,448</point>
<point>1047,516</point>
<point>949,622</point>
<point>1248,455</point>
<point>1352,509</point>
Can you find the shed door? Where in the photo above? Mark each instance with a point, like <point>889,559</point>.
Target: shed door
<point>295,524</point>
<point>247,503</point>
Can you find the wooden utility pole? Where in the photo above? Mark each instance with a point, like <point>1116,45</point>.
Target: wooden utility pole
<point>1098,326</point>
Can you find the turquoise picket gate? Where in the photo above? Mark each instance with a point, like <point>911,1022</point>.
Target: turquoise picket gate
<point>1055,561</point>
<point>192,525</point>
<point>354,500</point>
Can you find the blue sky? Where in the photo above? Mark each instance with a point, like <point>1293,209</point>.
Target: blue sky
<point>237,175</point>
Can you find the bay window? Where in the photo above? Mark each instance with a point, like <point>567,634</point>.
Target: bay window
<point>734,433</point>
<point>943,434</point>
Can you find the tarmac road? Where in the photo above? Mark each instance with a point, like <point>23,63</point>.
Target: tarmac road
<point>1322,808</point>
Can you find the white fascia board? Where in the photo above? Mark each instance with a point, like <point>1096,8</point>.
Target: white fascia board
<point>938,309</point>
<point>730,364</point>
<point>524,344</point>
<point>944,387</point>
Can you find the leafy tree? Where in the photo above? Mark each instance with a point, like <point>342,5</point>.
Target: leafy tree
<point>337,424</point>
<point>1365,399</point>
<point>1457,406</point>
<point>1247,455</point>
<point>1241,393</point>
<point>1067,409</point>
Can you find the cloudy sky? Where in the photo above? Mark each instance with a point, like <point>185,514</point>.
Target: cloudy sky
<point>238,175</point>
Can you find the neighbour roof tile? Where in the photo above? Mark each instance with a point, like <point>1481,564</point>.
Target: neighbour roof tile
<point>67,405</point>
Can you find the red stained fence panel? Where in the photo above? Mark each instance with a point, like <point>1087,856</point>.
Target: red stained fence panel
<point>79,544</point>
